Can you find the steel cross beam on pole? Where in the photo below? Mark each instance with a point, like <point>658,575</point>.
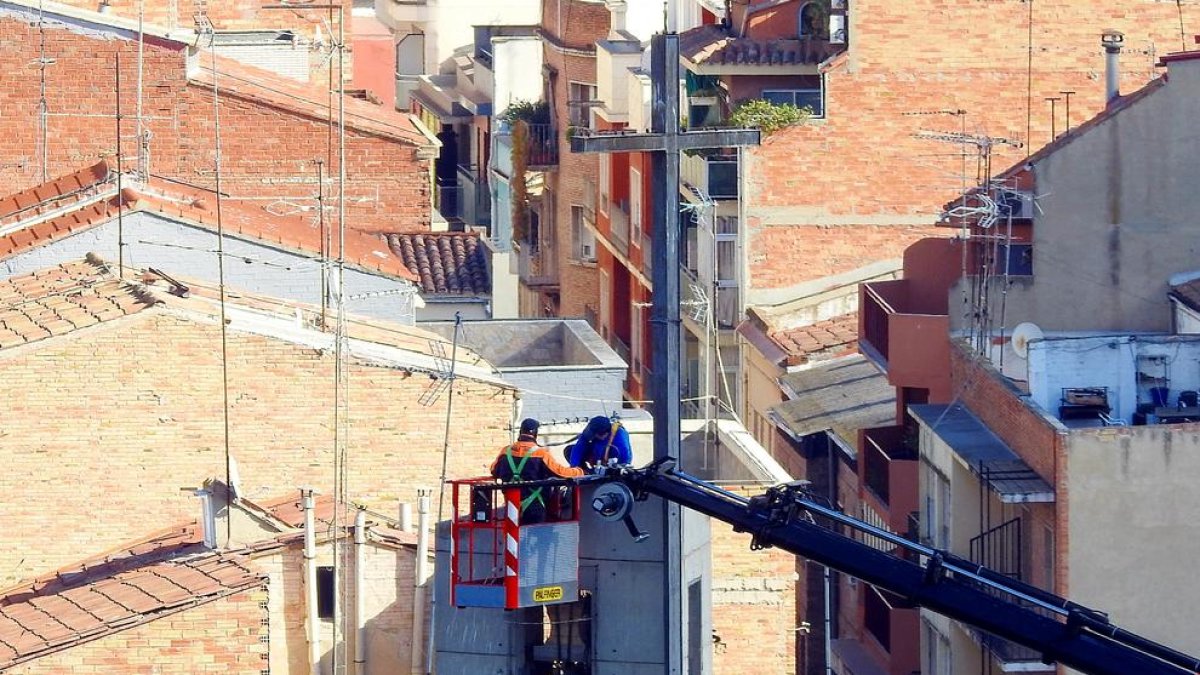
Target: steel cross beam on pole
<point>664,142</point>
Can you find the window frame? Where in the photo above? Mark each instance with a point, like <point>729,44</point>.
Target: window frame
<point>819,91</point>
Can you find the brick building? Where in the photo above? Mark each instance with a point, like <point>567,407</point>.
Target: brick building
<point>171,600</point>
<point>129,430</point>
<point>1043,412</point>
<point>388,154</point>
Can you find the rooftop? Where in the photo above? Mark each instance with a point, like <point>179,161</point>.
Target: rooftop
<point>842,396</point>
<point>837,336</point>
<point>88,197</point>
<point>62,299</point>
<point>534,343</point>
<point>712,47</point>
<point>450,263</point>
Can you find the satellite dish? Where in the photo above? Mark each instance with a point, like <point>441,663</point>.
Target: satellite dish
<point>1022,335</point>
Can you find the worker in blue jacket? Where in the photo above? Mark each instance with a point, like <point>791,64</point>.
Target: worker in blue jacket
<point>602,440</point>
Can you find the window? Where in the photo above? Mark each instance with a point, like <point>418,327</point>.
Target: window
<point>813,22</point>
<point>937,650</point>
<point>579,103</point>
<point>326,594</point>
<point>801,98</point>
<point>935,520</point>
<point>583,239</point>
<point>605,304</point>
<point>605,179</point>
<point>635,206</point>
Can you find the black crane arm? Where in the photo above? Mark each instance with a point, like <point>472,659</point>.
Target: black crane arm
<point>786,517</point>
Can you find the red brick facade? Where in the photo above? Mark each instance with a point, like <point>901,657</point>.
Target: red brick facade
<point>221,636</point>
<point>907,64</point>
<point>387,177</point>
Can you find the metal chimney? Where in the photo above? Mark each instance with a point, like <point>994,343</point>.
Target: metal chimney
<point>1112,41</point>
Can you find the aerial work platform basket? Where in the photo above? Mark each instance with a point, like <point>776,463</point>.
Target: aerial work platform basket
<point>499,561</point>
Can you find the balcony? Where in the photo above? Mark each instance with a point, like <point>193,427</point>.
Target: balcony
<point>467,199</point>
<point>890,478</point>
<point>890,315</point>
<point>543,146</point>
<point>537,268</point>
<point>715,176</point>
<point>893,627</point>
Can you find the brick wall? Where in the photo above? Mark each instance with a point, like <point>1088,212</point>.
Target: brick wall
<point>217,637</point>
<point>753,605</point>
<point>387,185</point>
<point>862,165</point>
<point>1007,414</point>
<point>573,26</point>
<point>97,453</point>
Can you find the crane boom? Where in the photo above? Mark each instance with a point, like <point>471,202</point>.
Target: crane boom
<point>788,518</point>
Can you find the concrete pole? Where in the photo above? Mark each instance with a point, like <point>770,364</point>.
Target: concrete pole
<point>360,595</point>
<point>310,584</point>
<point>420,582</point>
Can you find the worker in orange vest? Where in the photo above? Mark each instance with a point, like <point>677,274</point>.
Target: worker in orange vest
<point>526,460</point>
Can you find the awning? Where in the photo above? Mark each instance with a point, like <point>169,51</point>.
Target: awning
<point>995,463</point>
<point>842,396</point>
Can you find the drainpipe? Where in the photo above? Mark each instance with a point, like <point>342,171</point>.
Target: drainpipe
<point>1112,41</point>
<point>419,665</point>
<point>310,583</point>
<point>360,595</point>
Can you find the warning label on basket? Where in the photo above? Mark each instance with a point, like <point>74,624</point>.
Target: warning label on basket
<point>547,594</point>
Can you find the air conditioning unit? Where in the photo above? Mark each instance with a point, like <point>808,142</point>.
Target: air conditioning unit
<point>587,252</point>
<point>1015,203</point>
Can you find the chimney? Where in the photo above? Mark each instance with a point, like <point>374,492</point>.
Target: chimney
<point>208,517</point>
<point>616,9</point>
<point>1112,41</point>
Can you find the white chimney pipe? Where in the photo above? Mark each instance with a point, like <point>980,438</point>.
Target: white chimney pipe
<point>406,517</point>
<point>616,22</point>
<point>1112,41</point>
<point>360,595</point>
<point>419,585</point>
<point>208,517</point>
<point>310,583</point>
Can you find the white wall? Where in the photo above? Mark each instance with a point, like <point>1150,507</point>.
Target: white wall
<point>1113,362</point>
<point>189,252</point>
<point>516,71</point>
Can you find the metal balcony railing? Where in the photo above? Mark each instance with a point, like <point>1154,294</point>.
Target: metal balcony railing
<point>543,145</point>
<point>619,226</point>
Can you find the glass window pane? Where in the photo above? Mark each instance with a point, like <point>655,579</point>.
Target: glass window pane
<point>778,97</point>
<point>810,99</point>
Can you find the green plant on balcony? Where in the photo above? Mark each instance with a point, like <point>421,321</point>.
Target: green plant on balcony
<point>520,192</point>
<point>766,116</point>
<point>530,112</point>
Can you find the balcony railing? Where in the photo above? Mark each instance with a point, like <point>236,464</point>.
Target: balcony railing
<point>876,312</point>
<point>621,348</point>
<point>890,474</point>
<point>474,203</point>
<point>999,548</point>
<point>893,622</point>
<point>543,145</point>
<point>537,268</point>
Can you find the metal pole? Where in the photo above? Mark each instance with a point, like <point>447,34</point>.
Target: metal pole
<point>665,387</point>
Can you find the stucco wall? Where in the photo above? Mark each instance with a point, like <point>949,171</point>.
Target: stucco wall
<point>1134,534</point>
<point>190,252</point>
<point>1117,217</point>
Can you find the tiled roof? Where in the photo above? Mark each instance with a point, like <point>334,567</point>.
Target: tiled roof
<point>311,100</point>
<point>88,197</point>
<point>713,45</point>
<point>446,264</point>
<point>60,299</point>
<point>832,337</point>
<point>124,589</point>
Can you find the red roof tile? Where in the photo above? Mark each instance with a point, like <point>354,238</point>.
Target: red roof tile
<point>713,45</point>
<point>57,300</point>
<point>830,338</point>
<point>194,205</point>
<point>38,620</point>
<point>445,263</point>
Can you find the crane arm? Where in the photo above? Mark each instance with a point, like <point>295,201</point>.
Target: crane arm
<point>788,518</point>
